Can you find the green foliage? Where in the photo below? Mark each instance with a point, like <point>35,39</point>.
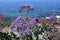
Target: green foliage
<point>8,23</point>
<point>6,36</point>
<point>46,28</point>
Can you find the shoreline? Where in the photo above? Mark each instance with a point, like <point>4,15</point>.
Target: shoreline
<point>16,17</point>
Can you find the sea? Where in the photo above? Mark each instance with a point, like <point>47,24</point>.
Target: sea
<point>9,9</point>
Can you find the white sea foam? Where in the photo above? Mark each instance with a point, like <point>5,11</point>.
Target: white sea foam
<point>56,17</point>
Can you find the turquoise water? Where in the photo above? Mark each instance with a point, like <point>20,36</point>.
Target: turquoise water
<point>41,8</point>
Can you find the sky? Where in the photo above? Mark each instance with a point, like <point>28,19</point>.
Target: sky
<point>29,0</point>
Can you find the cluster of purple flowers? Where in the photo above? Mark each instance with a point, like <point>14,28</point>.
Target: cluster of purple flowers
<point>29,7</point>
<point>49,18</point>
<point>33,22</point>
<point>20,25</point>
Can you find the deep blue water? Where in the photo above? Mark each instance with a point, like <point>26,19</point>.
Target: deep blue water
<point>41,8</point>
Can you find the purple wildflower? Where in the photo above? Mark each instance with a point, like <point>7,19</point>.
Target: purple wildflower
<point>29,7</point>
<point>1,28</point>
<point>21,33</point>
<point>20,25</point>
<point>28,32</point>
<point>50,18</point>
<point>33,22</point>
